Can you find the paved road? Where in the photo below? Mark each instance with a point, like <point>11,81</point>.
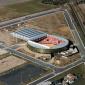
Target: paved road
<point>78,23</point>
<point>2,46</point>
<point>56,70</point>
<point>16,46</point>
<point>77,33</point>
<point>27,17</point>
<point>26,57</point>
<point>73,29</point>
<point>80,46</point>
<point>51,75</point>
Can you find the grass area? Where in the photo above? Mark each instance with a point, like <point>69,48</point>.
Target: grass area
<point>79,82</point>
<point>78,70</point>
<point>21,9</point>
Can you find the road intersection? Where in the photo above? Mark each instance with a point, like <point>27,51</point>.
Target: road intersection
<point>56,70</point>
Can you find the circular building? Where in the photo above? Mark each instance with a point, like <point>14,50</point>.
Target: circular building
<point>48,44</point>
<point>41,42</point>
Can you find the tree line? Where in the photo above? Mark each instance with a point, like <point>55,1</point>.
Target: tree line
<point>60,2</point>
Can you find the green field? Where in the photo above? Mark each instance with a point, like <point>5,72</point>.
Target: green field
<point>21,9</point>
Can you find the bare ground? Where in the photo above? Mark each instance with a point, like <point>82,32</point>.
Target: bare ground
<point>57,61</point>
<point>10,62</point>
<point>6,37</point>
<point>82,12</point>
<point>53,24</point>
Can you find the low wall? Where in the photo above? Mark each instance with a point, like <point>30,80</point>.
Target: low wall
<point>46,51</point>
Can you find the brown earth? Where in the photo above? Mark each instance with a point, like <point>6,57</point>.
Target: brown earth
<point>53,24</point>
<point>10,62</point>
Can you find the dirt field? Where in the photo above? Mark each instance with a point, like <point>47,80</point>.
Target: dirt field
<point>5,37</point>
<point>82,12</point>
<point>53,24</point>
<point>10,62</point>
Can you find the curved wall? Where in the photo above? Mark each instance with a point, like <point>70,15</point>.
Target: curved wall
<point>46,51</point>
<point>40,48</point>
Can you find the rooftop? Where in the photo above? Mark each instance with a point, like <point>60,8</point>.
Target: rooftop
<point>28,33</point>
